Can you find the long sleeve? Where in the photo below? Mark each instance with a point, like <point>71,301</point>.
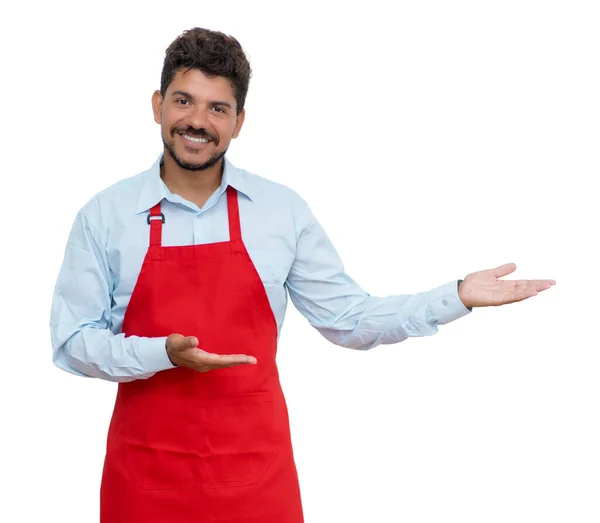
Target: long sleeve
<point>80,319</point>
<point>347,315</point>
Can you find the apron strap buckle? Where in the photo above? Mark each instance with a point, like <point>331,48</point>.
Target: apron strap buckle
<point>150,217</point>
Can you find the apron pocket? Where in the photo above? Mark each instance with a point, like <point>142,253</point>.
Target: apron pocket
<point>161,448</point>
<point>238,439</point>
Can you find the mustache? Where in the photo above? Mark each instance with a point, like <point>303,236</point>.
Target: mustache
<point>198,133</point>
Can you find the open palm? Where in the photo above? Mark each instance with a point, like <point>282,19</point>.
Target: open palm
<point>484,288</point>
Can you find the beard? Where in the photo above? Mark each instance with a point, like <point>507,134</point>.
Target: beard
<point>192,166</point>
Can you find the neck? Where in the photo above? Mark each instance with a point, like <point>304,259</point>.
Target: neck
<point>195,186</point>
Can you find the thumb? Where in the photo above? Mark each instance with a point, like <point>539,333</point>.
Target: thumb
<point>179,342</point>
<point>503,270</point>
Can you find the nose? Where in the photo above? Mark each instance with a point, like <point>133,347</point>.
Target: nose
<point>198,119</point>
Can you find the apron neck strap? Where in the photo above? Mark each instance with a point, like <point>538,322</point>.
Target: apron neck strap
<point>233,212</point>
<point>156,219</point>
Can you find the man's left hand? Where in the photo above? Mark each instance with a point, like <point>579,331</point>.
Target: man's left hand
<point>484,289</point>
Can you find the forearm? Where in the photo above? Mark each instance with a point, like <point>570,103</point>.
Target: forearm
<point>98,353</point>
<point>372,321</point>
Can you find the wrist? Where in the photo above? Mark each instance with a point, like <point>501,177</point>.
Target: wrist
<point>169,355</point>
<point>461,295</point>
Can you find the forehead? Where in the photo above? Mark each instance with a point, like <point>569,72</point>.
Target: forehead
<point>200,86</point>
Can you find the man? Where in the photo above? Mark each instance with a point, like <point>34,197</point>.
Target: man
<point>175,283</point>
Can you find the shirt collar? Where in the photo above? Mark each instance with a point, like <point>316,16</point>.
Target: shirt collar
<point>154,189</point>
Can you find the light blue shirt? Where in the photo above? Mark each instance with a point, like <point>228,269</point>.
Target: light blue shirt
<point>291,252</point>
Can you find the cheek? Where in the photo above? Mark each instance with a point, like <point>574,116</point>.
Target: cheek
<point>227,129</point>
<point>169,126</point>
<point>165,129</point>
<point>170,121</point>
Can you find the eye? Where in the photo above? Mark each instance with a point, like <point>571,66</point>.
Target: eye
<point>219,109</point>
<point>181,100</point>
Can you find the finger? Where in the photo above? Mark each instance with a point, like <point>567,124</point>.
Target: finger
<point>542,285</point>
<point>236,359</point>
<point>207,358</point>
<point>528,288</point>
<point>503,270</point>
<point>534,285</point>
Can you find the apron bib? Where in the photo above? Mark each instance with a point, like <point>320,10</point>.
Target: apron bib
<point>191,447</point>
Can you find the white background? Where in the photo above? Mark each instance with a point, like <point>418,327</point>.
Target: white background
<point>431,139</point>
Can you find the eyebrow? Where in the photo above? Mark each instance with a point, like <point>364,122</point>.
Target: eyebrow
<point>188,95</point>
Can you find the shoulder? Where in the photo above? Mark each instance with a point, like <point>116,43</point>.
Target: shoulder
<point>116,201</point>
<point>277,202</point>
<point>265,191</point>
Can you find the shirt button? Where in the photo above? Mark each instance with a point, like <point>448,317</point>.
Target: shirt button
<point>444,303</point>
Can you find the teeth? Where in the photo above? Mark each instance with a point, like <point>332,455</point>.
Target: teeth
<point>192,139</point>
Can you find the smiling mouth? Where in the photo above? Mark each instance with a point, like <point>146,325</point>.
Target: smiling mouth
<point>195,139</point>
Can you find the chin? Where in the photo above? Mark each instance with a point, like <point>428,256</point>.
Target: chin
<point>186,156</point>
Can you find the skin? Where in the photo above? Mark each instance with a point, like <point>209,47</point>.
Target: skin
<point>183,351</point>
<point>486,289</point>
<point>202,106</point>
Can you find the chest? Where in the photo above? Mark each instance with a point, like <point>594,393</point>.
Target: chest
<point>268,234</point>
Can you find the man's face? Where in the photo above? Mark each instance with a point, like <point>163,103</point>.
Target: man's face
<point>197,118</point>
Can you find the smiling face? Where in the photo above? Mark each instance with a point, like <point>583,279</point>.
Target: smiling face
<point>198,118</point>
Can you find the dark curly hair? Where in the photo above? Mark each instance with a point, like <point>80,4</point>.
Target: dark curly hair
<point>215,54</point>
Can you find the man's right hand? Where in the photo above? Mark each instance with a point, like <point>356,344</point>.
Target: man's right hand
<point>183,351</point>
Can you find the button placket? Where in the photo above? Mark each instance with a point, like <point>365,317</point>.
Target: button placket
<point>198,228</point>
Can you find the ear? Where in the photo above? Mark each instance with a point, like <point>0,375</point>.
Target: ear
<point>157,100</point>
<point>238,123</point>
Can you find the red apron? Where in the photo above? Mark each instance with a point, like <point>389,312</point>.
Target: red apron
<point>191,447</point>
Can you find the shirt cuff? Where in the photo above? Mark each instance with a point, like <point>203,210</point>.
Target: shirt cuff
<point>152,355</point>
<point>445,304</point>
